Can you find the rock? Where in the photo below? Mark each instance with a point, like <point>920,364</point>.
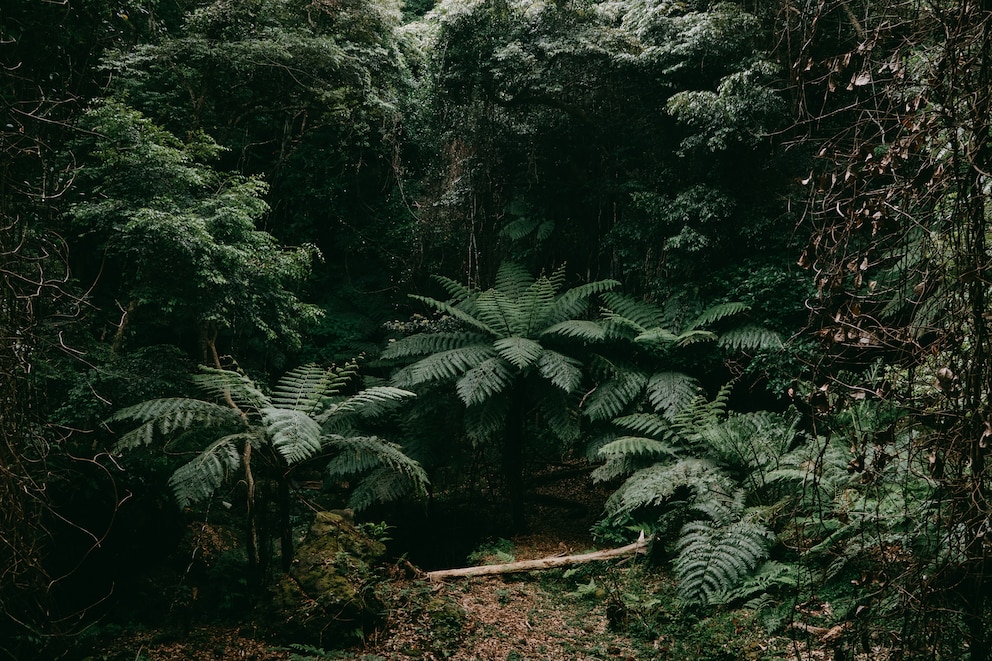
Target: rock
<point>328,596</point>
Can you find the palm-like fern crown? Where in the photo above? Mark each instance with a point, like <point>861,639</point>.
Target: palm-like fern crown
<point>506,328</point>
<point>305,410</point>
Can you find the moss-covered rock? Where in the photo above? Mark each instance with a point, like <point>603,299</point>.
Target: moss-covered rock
<point>327,598</point>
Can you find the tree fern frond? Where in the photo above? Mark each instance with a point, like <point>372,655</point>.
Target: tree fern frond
<point>564,372</point>
<point>700,413</point>
<point>580,329</point>
<point>168,415</point>
<point>219,384</point>
<point>650,424</point>
<point>670,392</point>
<point>513,280</point>
<point>771,576</point>
<point>616,466</point>
<point>749,338</point>
<point>483,381</point>
<point>391,474</point>
<point>424,344</point>
<point>200,478</point>
<point>718,312</point>
<point>657,337</point>
<point>456,290</point>
<point>304,388</point>
<point>443,365</point>
<point>616,394</point>
<point>521,352</point>
<point>691,337</point>
<point>643,314</point>
<point>535,303</point>
<point>366,404</point>
<point>500,312</point>
<point>654,485</point>
<point>559,414</point>
<point>456,312</point>
<point>713,560</point>
<point>574,301</point>
<point>638,445</point>
<point>294,434</point>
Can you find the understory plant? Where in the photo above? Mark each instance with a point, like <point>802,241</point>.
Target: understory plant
<point>238,429</point>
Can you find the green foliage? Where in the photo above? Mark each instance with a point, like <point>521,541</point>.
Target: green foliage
<point>295,423</point>
<point>177,239</point>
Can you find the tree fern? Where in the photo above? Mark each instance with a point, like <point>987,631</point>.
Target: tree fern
<point>198,479</point>
<point>483,381</point>
<point>387,472</point>
<point>670,392</point>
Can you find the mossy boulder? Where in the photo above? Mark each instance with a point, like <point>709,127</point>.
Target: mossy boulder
<point>328,596</point>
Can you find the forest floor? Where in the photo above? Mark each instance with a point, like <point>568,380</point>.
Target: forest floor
<point>602,610</point>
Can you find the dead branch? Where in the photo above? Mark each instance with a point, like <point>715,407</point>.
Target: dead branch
<point>638,547</point>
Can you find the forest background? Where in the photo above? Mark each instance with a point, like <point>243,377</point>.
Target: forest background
<point>733,254</point>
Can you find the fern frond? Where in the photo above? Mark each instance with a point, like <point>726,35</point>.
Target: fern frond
<point>670,392</point>
<point>456,290</point>
<point>518,351</point>
<point>219,384</point>
<point>424,344</point>
<point>169,415</point>
<point>564,372</point>
<point>613,396</point>
<point>750,338</point>
<point>367,404</point>
<point>512,279</point>
<point>535,303</point>
<point>654,485</point>
<point>713,560</point>
<point>649,424</point>
<point>500,312</point>
<point>443,365</point>
<point>718,312</point>
<point>638,446</point>
<point>643,314</point>
<point>558,412</point>
<point>657,337</point>
<point>588,331</point>
<point>391,474</point>
<point>304,388</point>
<point>691,337</point>
<point>456,312</point>
<point>574,301</point>
<point>294,434</point>
<point>771,576</point>
<point>480,383</point>
<point>200,478</point>
<point>701,413</point>
<point>616,466</point>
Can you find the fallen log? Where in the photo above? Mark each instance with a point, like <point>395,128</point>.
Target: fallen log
<point>640,546</point>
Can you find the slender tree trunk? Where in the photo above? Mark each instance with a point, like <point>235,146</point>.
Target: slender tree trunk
<point>513,460</point>
<point>285,528</point>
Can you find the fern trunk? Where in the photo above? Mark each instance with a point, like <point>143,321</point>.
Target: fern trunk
<point>513,459</point>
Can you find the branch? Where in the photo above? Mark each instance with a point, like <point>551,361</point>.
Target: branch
<point>638,547</point>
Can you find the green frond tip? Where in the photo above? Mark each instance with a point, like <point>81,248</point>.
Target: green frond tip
<point>294,434</point>
<point>385,472</point>
<point>169,415</point>
<point>483,381</point>
<point>637,445</point>
<point>750,338</point>
<point>218,385</point>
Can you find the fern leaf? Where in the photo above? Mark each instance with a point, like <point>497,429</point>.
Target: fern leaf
<point>573,302</point>
<point>512,279</point>
<point>169,415</point>
<point>486,422</point>
<point>294,434</point>
<point>200,478</point>
<point>587,331</point>
<point>670,392</point>
<point>456,290</point>
<point>559,414</point>
<point>653,486</point>
<point>424,344</point>
<point>613,396</point>
<point>499,312</point>
<point>691,337</point>
<point>367,404</point>
<point>518,351</point>
<point>391,474</point>
<point>562,371</point>
<point>637,445</point>
<point>480,383</point>
<point>643,314</point>
<point>713,560</point>
<point>649,424</point>
<point>443,366</point>
<point>220,384</point>
<point>749,338</point>
<point>304,388</point>
<point>616,466</point>
<point>657,337</point>
<point>519,228</point>
<point>456,312</point>
<point>718,312</point>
